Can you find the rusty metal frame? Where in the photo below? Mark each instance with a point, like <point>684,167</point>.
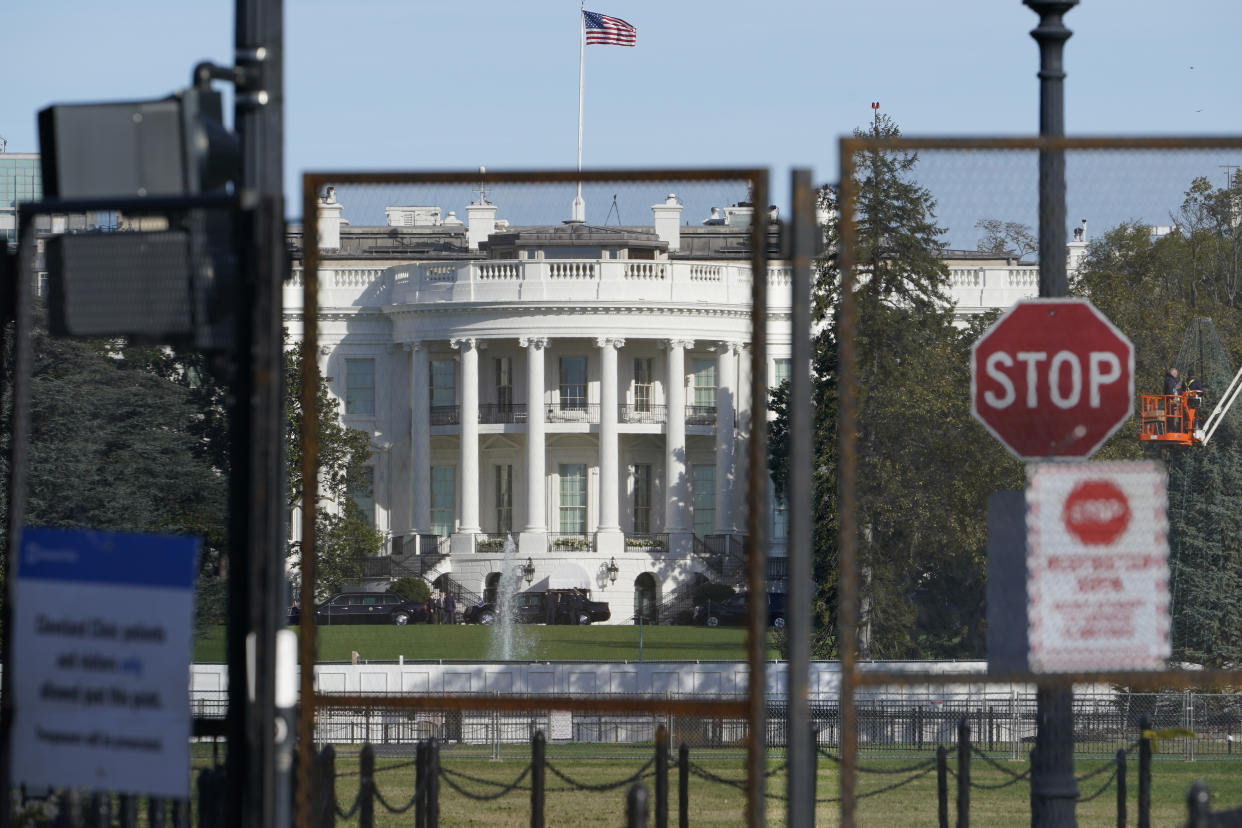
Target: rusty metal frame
<point>852,676</point>
<point>752,706</point>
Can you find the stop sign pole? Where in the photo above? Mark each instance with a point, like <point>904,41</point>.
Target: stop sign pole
<point>1054,792</point>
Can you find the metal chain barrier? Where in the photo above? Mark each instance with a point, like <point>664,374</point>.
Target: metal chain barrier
<point>446,775</point>
<point>418,790</point>
<point>342,774</point>
<point>886,789</point>
<point>353,809</point>
<point>1107,784</point>
<point>831,757</point>
<point>607,786</point>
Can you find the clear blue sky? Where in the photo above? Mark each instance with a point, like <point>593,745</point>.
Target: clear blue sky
<point>423,84</point>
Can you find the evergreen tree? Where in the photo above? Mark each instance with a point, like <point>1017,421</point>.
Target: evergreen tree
<point>924,465</point>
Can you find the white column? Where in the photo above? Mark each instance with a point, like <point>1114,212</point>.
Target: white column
<point>536,512</point>
<point>676,486</point>
<point>468,520</point>
<point>609,538</point>
<point>420,439</point>
<point>726,400</point>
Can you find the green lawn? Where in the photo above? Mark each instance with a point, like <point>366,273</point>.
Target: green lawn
<point>537,643</point>
<point>716,804</point>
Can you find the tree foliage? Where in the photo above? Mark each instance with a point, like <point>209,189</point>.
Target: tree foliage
<point>1152,287</point>
<point>343,536</point>
<point>1005,237</point>
<point>924,465</point>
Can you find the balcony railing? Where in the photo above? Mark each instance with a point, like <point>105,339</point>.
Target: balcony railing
<point>653,542</point>
<point>490,413</point>
<point>570,542</point>
<point>440,415</point>
<point>701,415</point>
<point>646,414</point>
<point>585,413</point>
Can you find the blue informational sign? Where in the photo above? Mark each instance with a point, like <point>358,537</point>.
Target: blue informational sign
<point>102,629</point>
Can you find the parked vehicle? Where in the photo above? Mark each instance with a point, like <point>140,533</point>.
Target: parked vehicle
<point>532,608</point>
<point>732,612</point>
<point>367,608</point>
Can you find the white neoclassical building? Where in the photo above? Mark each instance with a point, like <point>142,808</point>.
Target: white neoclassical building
<point>582,389</point>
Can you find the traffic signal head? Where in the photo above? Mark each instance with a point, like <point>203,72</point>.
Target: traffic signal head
<point>175,146</point>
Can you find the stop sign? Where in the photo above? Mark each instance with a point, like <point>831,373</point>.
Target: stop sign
<point>1052,378</point>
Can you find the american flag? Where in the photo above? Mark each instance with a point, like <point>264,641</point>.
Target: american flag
<point>602,30</point>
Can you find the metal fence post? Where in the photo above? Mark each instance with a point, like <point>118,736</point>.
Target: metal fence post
<point>326,809</point>
<point>1144,774</point>
<point>661,777</point>
<point>1197,807</point>
<point>128,816</point>
<point>814,771</point>
<point>1121,788</point>
<point>683,786</point>
<point>181,813</point>
<point>942,785</point>
<point>157,812</point>
<point>420,784</point>
<point>101,810</point>
<point>366,787</point>
<point>636,806</point>
<point>433,784</point>
<point>537,770</point>
<point>963,773</point>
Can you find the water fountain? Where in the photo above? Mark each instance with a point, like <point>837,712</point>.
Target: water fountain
<point>507,641</point>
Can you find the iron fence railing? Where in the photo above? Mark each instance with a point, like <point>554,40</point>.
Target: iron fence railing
<point>701,415</point>
<point>583,413</point>
<point>648,414</point>
<point>490,413</point>
<point>442,415</point>
<point>654,542</point>
<point>571,542</point>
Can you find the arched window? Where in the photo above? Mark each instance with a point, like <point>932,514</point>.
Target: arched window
<point>645,606</point>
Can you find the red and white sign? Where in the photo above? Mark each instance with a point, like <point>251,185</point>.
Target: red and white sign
<point>1052,378</point>
<point>1097,559</point>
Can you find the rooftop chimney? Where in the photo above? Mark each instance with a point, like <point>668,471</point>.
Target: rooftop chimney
<point>668,221</point>
<point>330,221</point>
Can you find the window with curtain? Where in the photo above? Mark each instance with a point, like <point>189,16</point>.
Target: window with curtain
<point>360,386</point>
<point>642,498</point>
<point>704,383</point>
<point>573,503</point>
<point>573,382</point>
<point>703,488</point>
<point>642,384</point>
<point>780,371</point>
<point>504,382</point>
<point>443,382</point>
<point>443,499</point>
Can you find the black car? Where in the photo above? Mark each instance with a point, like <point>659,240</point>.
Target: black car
<point>368,608</point>
<point>532,608</point>
<point>732,612</point>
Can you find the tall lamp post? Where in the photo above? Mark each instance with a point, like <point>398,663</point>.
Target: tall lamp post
<point>1053,788</point>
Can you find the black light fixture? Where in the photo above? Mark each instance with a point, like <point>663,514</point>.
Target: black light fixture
<point>528,570</point>
<point>612,571</point>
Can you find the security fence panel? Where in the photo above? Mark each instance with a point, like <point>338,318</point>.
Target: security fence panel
<point>544,396</point>
<point>942,379</point>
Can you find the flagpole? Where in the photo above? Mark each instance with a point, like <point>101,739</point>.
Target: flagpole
<point>579,208</point>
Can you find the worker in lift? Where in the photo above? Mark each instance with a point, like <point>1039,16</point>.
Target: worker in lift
<point>1172,408</point>
<point>1194,396</point>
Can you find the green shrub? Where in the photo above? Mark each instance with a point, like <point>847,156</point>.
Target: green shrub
<point>412,589</point>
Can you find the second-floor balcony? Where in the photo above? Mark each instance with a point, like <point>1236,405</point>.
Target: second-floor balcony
<point>630,414</point>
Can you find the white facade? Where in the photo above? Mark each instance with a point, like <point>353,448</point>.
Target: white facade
<point>582,389</point>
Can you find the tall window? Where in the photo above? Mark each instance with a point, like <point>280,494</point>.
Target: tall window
<point>642,384</point>
<point>504,499</point>
<point>443,382</point>
<point>443,499</point>
<point>642,498</point>
<point>573,498</point>
<point>504,382</point>
<point>705,383</point>
<point>704,488</point>
<point>360,386</point>
<point>573,382</point>
<point>780,518</point>
<point>363,495</point>
<point>780,371</point>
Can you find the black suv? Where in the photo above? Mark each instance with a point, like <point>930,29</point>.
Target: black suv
<point>368,608</point>
<point>732,611</point>
<point>532,608</point>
